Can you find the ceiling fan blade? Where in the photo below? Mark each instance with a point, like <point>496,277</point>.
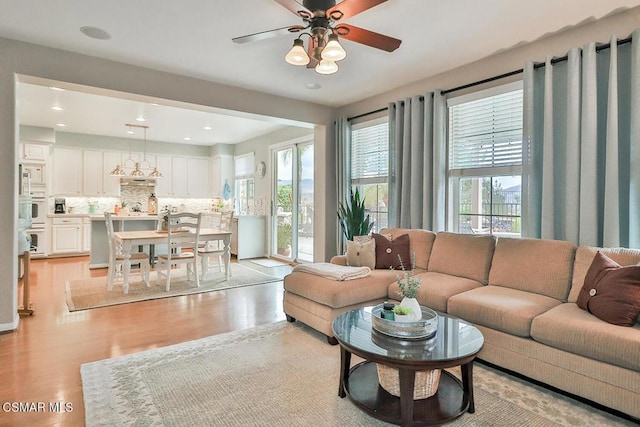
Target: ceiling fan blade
<point>369,38</point>
<point>268,34</point>
<point>349,8</point>
<point>297,8</point>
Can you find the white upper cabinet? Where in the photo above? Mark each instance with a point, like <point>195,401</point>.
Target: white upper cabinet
<point>163,184</point>
<point>96,166</point>
<point>179,186</point>
<point>67,171</point>
<point>199,177</point>
<point>34,152</point>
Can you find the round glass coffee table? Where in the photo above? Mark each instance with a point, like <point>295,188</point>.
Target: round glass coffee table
<point>456,343</point>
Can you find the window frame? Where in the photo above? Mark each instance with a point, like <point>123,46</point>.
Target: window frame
<point>454,176</point>
<point>361,182</point>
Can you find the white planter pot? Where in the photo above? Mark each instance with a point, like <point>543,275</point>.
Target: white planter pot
<point>414,306</point>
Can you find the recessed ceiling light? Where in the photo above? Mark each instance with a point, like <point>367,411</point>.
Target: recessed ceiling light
<point>56,88</point>
<point>155,104</point>
<point>57,108</point>
<point>95,33</point>
<point>130,132</point>
<point>312,86</point>
<point>141,119</point>
<point>62,125</point>
<point>207,128</point>
<point>187,138</point>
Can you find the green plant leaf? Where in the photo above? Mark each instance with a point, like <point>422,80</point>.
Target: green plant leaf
<point>351,215</point>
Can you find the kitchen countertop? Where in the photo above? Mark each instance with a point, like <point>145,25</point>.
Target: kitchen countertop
<point>130,217</point>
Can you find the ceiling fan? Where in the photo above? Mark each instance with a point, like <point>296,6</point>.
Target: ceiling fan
<point>323,25</point>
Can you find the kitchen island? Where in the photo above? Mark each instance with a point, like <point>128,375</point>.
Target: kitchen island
<point>99,256</point>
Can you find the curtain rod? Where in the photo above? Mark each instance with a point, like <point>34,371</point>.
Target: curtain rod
<point>505,75</point>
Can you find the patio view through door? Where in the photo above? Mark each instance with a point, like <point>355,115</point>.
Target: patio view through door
<point>292,217</point>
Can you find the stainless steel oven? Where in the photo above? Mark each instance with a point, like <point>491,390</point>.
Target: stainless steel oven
<point>38,240</point>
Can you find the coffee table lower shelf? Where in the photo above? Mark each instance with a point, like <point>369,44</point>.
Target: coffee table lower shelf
<point>363,389</point>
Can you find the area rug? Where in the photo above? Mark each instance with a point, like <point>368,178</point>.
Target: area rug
<point>283,374</point>
<point>266,262</point>
<point>92,293</point>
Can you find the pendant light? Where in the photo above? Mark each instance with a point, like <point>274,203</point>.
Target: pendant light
<point>138,167</point>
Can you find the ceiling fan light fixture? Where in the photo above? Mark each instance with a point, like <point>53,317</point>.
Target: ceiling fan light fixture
<point>326,67</point>
<point>333,51</point>
<point>297,55</point>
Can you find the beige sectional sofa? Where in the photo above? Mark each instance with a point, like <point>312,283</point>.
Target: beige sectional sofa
<point>521,293</point>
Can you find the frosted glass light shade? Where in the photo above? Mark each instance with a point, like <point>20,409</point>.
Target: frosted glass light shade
<point>326,67</point>
<point>333,51</point>
<point>297,55</point>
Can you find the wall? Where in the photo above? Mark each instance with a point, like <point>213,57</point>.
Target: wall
<point>25,59</point>
<point>621,24</point>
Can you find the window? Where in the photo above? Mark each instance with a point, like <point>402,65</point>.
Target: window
<point>244,184</point>
<point>485,161</point>
<point>370,167</point>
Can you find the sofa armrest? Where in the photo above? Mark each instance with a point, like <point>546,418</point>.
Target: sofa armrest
<point>339,260</point>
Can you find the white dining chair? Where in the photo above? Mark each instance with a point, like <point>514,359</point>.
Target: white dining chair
<point>116,260</point>
<point>215,248</point>
<point>182,247</point>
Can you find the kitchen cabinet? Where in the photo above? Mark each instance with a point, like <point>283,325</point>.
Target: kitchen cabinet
<point>179,186</point>
<point>248,236</point>
<point>198,177</point>
<point>66,235</point>
<point>96,166</point>
<point>66,172</point>
<point>86,234</point>
<point>34,152</point>
<point>163,184</point>
<point>184,176</point>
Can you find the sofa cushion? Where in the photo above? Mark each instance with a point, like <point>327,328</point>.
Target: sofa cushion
<point>392,253</point>
<point>338,294</point>
<point>463,255</point>
<point>361,253</point>
<point>420,243</point>
<point>533,265</point>
<point>505,309</point>
<point>611,292</point>
<point>569,328</point>
<point>584,258</point>
<point>437,288</point>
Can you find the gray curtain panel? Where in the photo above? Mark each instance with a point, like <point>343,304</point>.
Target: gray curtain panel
<point>417,156</point>
<point>582,157</point>
<point>343,171</point>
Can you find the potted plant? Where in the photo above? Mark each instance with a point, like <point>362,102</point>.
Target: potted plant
<point>284,239</point>
<point>409,284</point>
<point>164,214</point>
<point>353,220</point>
<point>402,313</point>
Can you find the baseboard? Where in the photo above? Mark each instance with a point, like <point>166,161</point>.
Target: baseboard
<point>7,327</point>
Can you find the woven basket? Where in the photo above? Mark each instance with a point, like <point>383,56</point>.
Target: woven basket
<point>426,383</point>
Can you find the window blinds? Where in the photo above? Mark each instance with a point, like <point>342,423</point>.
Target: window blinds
<point>244,166</point>
<point>370,151</point>
<point>487,132</point>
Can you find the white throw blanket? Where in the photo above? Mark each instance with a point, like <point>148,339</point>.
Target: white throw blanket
<point>333,271</point>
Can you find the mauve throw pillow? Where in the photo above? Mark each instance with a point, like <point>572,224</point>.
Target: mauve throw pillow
<point>611,292</point>
<point>387,252</point>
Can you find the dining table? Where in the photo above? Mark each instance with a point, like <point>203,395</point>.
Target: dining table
<point>129,239</point>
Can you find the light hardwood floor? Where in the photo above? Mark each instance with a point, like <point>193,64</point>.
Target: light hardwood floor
<point>40,362</point>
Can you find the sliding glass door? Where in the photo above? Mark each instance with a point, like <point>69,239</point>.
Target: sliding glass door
<point>293,213</point>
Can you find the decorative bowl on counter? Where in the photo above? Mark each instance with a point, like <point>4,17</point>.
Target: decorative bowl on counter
<point>422,329</point>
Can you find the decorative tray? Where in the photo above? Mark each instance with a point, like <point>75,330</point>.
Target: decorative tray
<point>424,328</point>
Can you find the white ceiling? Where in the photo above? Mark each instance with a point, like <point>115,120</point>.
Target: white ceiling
<point>194,39</point>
